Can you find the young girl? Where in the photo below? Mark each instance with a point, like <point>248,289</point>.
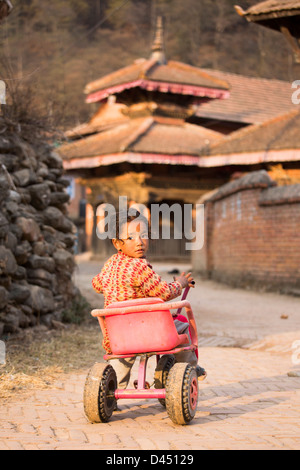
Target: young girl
<point>128,275</point>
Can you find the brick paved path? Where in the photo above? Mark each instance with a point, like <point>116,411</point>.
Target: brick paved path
<point>247,402</point>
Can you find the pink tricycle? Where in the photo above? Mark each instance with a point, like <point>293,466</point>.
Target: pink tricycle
<point>145,327</point>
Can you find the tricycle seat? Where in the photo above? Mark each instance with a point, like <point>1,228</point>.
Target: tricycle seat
<point>142,331</point>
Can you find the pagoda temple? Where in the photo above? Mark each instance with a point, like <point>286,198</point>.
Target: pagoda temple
<point>139,143</point>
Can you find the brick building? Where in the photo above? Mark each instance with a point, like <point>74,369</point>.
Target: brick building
<point>253,234</point>
<point>252,224</point>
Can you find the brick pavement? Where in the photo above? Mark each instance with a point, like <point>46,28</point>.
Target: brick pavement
<point>247,402</point>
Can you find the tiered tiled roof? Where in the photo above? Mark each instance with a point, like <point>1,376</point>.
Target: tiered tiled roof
<point>145,131</point>
<point>140,133</point>
<point>277,140</point>
<point>162,140</point>
<point>280,133</point>
<point>252,100</point>
<point>172,77</point>
<point>141,140</point>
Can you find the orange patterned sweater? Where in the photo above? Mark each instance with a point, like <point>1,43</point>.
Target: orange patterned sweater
<point>126,278</point>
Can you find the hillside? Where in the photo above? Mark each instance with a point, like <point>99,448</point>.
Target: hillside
<point>50,50</point>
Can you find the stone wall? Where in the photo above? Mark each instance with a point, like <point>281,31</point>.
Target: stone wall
<point>252,231</point>
<point>36,236</point>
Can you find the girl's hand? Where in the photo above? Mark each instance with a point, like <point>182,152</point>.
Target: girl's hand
<point>186,280</point>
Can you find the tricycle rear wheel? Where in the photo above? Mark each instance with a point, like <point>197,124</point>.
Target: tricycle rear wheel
<point>99,393</point>
<point>182,393</point>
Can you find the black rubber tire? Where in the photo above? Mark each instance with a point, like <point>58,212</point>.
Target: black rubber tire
<point>98,398</point>
<point>182,393</point>
<point>162,370</point>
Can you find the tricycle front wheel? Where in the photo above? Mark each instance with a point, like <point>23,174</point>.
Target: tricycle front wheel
<point>99,393</point>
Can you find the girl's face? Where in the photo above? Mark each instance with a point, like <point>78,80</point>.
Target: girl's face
<point>133,240</point>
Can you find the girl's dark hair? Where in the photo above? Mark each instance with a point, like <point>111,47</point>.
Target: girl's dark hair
<point>121,218</point>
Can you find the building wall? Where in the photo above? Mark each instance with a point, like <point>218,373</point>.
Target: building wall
<point>253,238</point>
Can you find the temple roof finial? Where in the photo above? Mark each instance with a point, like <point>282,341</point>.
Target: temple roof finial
<point>158,47</point>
